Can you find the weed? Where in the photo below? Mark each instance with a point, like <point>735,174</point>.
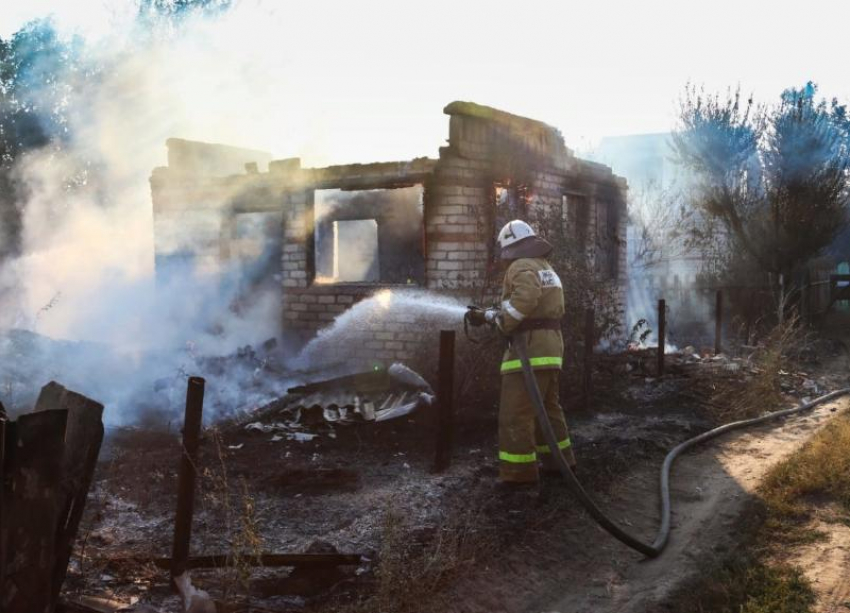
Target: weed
<point>762,392</point>
<point>821,468</point>
<point>240,529</point>
<point>765,589</point>
<point>412,576</point>
<point>746,584</point>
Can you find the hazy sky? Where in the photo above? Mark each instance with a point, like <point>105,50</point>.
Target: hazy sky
<point>359,81</point>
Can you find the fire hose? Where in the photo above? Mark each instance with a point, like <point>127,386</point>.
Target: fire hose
<point>657,546</point>
<point>519,344</point>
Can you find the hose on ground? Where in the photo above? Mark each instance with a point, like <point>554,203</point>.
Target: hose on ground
<point>520,346</point>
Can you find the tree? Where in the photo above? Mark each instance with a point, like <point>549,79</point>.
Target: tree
<point>44,78</point>
<point>775,177</point>
<point>38,73</point>
<point>158,17</point>
<point>664,227</point>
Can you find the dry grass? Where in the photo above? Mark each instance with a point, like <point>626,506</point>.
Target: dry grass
<point>820,470</point>
<point>746,585</point>
<point>763,391</point>
<point>413,576</point>
<point>235,505</point>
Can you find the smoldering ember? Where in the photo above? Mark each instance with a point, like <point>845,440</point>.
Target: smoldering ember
<point>540,369</point>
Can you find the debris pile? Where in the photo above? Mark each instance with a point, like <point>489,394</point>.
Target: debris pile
<point>314,408</point>
<point>715,381</point>
<point>793,382</point>
<point>239,381</point>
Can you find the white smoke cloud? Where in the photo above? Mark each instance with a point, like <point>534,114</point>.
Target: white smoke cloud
<point>86,269</point>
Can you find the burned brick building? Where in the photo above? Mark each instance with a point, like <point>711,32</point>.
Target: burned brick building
<point>329,237</point>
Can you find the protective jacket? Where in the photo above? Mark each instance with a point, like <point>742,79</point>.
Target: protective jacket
<point>532,293</point>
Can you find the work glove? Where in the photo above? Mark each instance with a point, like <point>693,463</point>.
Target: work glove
<point>491,315</point>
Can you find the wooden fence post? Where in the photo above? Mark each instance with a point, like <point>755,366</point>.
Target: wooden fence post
<point>718,322</point>
<point>445,402</point>
<point>83,438</point>
<point>662,334</point>
<point>186,478</point>
<point>50,457</point>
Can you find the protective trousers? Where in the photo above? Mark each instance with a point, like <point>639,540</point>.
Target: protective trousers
<point>521,442</point>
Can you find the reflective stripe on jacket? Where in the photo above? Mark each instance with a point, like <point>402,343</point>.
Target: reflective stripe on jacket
<point>532,290</point>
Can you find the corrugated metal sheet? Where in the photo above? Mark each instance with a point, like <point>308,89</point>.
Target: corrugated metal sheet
<point>368,396</point>
<point>348,406</point>
<point>359,398</point>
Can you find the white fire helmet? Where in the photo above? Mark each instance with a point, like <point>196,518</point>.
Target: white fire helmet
<point>517,239</point>
<point>514,231</point>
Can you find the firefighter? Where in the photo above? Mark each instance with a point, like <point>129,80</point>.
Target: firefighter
<point>532,303</point>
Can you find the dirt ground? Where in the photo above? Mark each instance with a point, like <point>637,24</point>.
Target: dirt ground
<point>338,490</point>
<point>711,489</point>
<point>826,564</point>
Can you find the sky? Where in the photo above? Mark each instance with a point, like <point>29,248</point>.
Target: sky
<point>339,82</point>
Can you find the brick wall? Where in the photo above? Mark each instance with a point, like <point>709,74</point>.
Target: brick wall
<point>379,334</point>
<point>460,220</point>
<point>296,261</point>
<point>486,148</point>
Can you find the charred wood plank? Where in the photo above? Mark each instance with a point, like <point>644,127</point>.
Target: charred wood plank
<point>31,511</point>
<point>76,607</point>
<point>718,322</point>
<point>589,342</point>
<point>3,420</point>
<point>83,438</point>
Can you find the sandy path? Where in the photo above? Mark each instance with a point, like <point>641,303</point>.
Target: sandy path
<point>710,490</point>
<point>826,565</point>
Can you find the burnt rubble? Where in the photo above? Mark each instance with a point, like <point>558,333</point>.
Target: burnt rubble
<point>371,396</point>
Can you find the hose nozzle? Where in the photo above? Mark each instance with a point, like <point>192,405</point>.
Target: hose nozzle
<point>475,316</point>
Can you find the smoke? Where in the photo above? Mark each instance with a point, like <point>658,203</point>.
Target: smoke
<point>665,262</point>
<point>85,269</point>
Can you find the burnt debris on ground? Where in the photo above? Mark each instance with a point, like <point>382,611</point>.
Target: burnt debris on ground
<point>312,472</point>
